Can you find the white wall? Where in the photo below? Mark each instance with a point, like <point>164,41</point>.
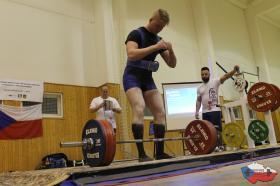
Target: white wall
<point>82,41</point>
<point>51,41</point>
<point>271,43</point>
<point>231,41</point>
<point>180,32</point>
<point>259,9</point>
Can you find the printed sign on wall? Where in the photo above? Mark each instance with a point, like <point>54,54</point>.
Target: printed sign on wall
<point>20,90</point>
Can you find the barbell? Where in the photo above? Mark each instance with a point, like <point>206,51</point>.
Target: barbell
<point>88,142</point>
<point>99,141</point>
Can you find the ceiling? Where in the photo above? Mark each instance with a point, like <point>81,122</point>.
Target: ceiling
<point>271,14</point>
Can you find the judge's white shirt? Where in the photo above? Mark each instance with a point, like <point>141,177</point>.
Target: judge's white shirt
<point>102,114</point>
<point>209,94</point>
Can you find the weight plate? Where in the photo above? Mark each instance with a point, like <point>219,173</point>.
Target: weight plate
<point>202,137</point>
<point>233,135</point>
<point>261,97</point>
<point>258,130</point>
<point>110,143</point>
<point>94,156</point>
<point>277,102</point>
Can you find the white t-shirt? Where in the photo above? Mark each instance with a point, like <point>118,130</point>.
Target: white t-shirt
<point>209,94</point>
<point>102,114</point>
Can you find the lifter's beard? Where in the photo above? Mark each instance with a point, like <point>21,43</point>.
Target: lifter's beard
<point>205,80</point>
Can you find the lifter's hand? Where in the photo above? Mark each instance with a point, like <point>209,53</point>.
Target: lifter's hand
<point>169,45</point>
<point>236,68</point>
<point>101,105</point>
<point>161,45</point>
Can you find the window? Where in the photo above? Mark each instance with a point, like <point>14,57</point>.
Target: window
<point>237,113</point>
<point>147,113</point>
<point>29,103</point>
<point>52,106</point>
<point>252,114</point>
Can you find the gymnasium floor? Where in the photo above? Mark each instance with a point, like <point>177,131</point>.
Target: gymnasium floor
<point>219,169</point>
<point>222,168</point>
<point>223,176</point>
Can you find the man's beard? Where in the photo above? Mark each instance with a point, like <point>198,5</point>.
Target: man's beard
<point>205,80</point>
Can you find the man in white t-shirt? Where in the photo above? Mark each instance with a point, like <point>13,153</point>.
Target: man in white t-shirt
<point>208,96</point>
<point>105,107</point>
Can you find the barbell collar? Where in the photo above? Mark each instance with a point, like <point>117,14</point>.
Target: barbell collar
<point>86,143</point>
<point>73,144</point>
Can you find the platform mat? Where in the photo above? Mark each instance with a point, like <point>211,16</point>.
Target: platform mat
<point>221,176</point>
<point>55,176</point>
<point>134,178</point>
<point>39,177</point>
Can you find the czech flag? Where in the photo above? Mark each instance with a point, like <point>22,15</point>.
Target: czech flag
<point>256,172</point>
<point>20,122</point>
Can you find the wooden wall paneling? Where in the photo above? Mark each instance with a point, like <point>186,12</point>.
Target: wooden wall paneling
<point>172,147</point>
<point>276,123</point>
<point>114,91</point>
<point>11,103</point>
<point>149,146</point>
<point>27,154</point>
<point>15,155</point>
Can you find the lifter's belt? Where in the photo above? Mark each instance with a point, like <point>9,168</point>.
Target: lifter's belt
<point>144,64</point>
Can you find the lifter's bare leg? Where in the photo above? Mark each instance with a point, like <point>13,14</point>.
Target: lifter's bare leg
<point>137,103</point>
<point>154,102</point>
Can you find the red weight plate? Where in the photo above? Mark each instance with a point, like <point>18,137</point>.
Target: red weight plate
<point>202,137</point>
<point>277,93</point>
<point>261,97</point>
<point>110,143</point>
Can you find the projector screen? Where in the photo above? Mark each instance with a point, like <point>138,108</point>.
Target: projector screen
<point>180,103</point>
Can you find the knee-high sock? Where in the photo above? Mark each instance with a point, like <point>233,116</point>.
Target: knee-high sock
<point>219,139</point>
<point>159,130</point>
<point>137,130</point>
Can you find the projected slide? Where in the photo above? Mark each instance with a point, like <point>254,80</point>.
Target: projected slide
<point>181,100</point>
<point>180,104</point>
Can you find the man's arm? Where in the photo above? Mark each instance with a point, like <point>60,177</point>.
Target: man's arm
<point>135,53</point>
<point>117,110</point>
<point>229,74</point>
<point>96,107</point>
<point>169,56</point>
<point>116,106</point>
<point>198,105</point>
